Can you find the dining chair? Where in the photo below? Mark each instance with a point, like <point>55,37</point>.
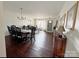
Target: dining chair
<point>20,37</point>
<point>9,29</point>
<point>13,29</point>
<point>33,29</point>
<point>23,27</point>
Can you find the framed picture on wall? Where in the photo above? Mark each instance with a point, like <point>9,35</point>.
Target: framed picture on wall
<point>77,18</point>
<point>70,17</point>
<point>62,20</point>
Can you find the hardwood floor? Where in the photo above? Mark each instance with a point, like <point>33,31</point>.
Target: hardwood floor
<point>41,47</point>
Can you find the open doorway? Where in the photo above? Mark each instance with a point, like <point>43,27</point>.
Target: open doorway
<point>41,24</point>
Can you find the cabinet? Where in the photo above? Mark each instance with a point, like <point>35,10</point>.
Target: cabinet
<point>59,44</point>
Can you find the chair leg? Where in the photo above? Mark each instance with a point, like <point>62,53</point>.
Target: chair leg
<point>34,38</point>
<point>31,39</point>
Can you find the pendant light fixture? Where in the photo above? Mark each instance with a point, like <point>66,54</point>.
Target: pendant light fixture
<point>21,17</point>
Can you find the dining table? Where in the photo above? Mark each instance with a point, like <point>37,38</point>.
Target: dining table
<point>25,31</point>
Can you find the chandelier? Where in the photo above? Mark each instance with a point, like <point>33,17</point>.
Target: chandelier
<point>21,17</point>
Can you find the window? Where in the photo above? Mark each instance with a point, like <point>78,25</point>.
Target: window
<point>42,24</point>
<point>62,20</point>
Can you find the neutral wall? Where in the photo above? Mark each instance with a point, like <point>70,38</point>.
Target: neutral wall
<point>72,36</point>
<point>11,19</point>
<point>68,5</point>
<point>2,34</point>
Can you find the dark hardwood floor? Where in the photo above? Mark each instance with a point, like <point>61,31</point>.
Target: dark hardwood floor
<point>41,47</point>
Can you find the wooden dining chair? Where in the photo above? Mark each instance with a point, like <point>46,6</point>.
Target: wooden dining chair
<point>23,27</point>
<point>33,29</point>
<point>13,31</point>
<point>9,29</point>
<point>20,37</point>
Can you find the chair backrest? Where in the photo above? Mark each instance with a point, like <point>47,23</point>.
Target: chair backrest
<point>18,31</point>
<point>33,29</point>
<point>9,29</point>
<point>23,27</point>
<point>13,29</point>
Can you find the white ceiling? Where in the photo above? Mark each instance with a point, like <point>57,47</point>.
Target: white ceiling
<point>36,8</point>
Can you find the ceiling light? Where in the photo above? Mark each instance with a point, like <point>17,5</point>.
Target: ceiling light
<point>21,17</point>
<point>50,21</point>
